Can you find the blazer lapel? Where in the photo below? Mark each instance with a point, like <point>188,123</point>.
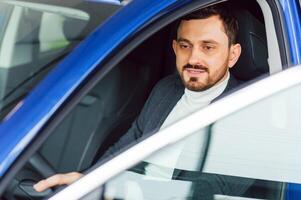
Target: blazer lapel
<point>232,84</point>
<point>166,105</point>
<point>172,97</point>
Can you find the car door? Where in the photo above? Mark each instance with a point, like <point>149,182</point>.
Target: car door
<point>250,142</point>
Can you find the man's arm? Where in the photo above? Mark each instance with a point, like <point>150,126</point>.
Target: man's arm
<point>66,179</point>
<point>131,136</point>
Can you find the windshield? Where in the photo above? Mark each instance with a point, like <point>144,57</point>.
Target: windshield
<point>35,36</point>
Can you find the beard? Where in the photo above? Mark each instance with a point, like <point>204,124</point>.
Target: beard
<point>197,85</point>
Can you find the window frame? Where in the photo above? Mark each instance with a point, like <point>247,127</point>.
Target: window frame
<point>281,33</point>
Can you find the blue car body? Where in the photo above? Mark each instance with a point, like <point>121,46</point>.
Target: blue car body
<point>291,10</point>
<point>17,131</point>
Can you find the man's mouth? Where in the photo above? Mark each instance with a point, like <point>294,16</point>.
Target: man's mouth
<point>195,71</point>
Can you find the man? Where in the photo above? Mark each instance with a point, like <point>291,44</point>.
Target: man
<point>205,49</point>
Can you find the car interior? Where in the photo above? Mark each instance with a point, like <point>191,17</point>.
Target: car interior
<point>108,110</point>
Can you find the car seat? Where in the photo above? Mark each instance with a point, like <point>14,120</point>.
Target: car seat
<point>253,61</point>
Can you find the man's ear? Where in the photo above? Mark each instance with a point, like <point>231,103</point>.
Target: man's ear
<point>174,46</point>
<point>235,51</point>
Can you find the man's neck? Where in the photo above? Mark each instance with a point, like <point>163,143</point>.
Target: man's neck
<point>206,96</point>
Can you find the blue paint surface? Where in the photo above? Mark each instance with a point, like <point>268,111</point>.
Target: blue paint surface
<point>291,11</point>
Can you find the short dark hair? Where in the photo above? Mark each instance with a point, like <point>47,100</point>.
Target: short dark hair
<point>225,14</point>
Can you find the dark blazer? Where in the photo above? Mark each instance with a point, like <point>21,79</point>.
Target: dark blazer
<point>161,101</point>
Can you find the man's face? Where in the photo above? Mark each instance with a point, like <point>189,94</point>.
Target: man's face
<point>203,54</point>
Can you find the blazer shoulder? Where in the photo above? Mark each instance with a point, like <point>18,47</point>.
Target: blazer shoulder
<point>167,83</point>
<point>164,90</point>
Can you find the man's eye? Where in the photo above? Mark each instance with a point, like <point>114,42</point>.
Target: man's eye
<point>184,46</point>
<point>207,47</point>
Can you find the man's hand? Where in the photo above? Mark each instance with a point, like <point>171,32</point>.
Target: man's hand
<point>57,179</point>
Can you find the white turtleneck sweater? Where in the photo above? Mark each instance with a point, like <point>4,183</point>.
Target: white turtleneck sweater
<point>185,154</point>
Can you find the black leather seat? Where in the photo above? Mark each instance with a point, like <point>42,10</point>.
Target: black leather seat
<point>253,61</point>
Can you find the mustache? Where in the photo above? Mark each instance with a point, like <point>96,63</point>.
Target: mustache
<point>189,66</point>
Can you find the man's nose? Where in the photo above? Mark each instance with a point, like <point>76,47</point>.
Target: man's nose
<point>196,57</point>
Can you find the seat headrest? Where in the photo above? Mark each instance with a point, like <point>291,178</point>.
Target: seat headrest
<point>254,56</point>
